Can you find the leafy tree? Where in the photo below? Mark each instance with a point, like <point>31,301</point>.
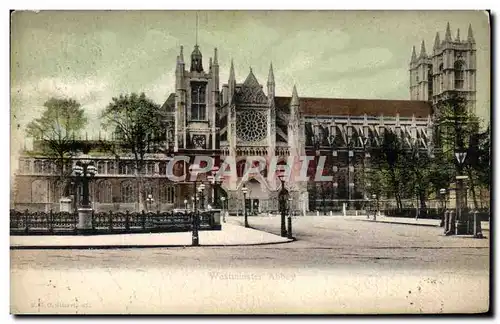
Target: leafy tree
<point>478,167</point>
<point>387,165</point>
<point>135,122</point>
<point>55,130</point>
<point>458,130</point>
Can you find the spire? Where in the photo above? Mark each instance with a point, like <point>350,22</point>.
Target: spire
<point>196,42</point>
<point>437,41</point>
<point>231,83</point>
<point>270,77</point>
<point>458,35</point>
<point>232,78</point>
<point>413,55</point>
<point>447,36</point>
<point>270,83</point>
<point>216,62</point>
<point>422,50</point>
<point>295,97</point>
<point>470,38</point>
<point>196,60</point>
<point>210,63</point>
<point>181,56</point>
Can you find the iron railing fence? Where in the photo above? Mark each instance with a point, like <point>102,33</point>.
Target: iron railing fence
<point>39,223</point>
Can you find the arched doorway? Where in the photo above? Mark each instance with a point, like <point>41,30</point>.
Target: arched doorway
<point>257,196</point>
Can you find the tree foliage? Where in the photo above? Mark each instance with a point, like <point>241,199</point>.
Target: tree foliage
<point>137,127</point>
<point>405,170</point>
<point>55,131</point>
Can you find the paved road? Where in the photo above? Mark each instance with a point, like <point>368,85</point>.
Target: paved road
<point>338,265</point>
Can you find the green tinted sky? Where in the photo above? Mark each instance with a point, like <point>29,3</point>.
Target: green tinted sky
<point>94,55</point>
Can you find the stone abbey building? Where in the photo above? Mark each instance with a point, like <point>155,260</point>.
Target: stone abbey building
<point>243,117</point>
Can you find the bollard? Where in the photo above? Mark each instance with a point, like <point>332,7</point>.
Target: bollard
<point>478,232</point>
<point>289,233</point>
<point>446,223</point>
<point>317,213</point>
<point>331,213</point>
<point>451,223</point>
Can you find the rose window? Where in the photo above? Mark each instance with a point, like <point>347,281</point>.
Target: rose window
<point>251,126</point>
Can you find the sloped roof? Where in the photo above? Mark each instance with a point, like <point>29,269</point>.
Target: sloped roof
<point>357,107</point>
<point>251,91</point>
<point>169,104</point>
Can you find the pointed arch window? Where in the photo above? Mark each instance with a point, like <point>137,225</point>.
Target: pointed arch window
<point>104,192</point>
<point>128,192</point>
<point>430,82</point>
<point>240,168</point>
<point>198,100</point>
<point>441,77</point>
<point>39,191</point>
<point>167,194</point>
<point>459,74</point>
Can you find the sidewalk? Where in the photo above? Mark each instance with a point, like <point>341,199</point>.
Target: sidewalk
<point>485,226</point>
<point>229,235</point>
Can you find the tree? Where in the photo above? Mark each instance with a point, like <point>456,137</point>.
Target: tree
<point>387,166</point>
<point>479,163</point>
<point>135,121</point>
<point>458,130</point>
<point>61,120</point>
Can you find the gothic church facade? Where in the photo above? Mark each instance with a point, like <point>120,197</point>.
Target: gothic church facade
<point>246,118</point>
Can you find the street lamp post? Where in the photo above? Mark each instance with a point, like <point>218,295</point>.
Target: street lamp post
<point>282,197</point>
<point>460,194</point>
<point>223,199</point>
<point>195,238</point>
<point>83,171</point>
<point>442,192</point>
<point>215,185</point>
<point>335,185</point>
<point>375,201</point>
<point>201,189</point>
<point>245,190</point>
<point>289,232</point>
<point>185,204</point>
<point>149,202</point>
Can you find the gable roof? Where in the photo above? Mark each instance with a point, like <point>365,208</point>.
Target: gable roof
<point>357,107</point>
<point>169,104</point>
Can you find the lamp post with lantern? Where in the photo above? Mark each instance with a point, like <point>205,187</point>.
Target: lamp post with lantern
<point>223,199</point>
<point>185,204</point>
<point>83,171</point>
<point>442,193</point>
<point>149,202</point>
<point>201,191</point>
<point>245,191</point>
<point>335,186</point>
<point>215,181</point>
<point>283,198</point>
<point>195,238</point>
<point>375,202</point>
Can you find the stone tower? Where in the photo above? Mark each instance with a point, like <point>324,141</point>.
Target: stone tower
<point>451,67</point>
<point>196,102</point>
